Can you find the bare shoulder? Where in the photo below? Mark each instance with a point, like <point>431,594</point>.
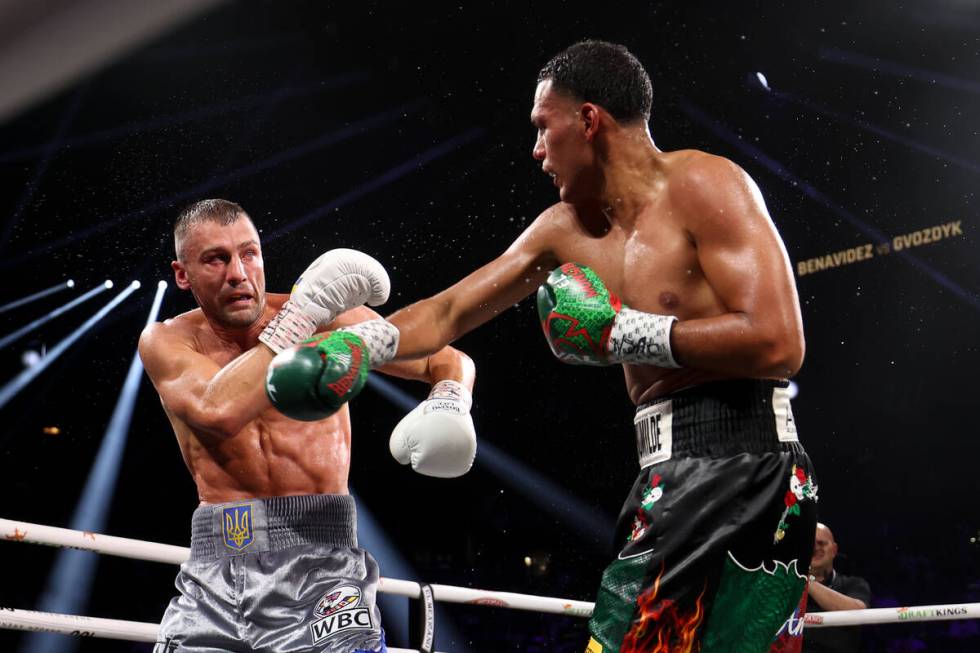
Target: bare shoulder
<point>546,233</point>
<point>711,190</point>
<point>555,218</point>
<point>172,332</point>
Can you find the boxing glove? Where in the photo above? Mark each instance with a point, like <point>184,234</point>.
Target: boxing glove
<point>438,437</point>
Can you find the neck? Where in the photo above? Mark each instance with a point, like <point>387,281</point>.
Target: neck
<point>244,337</point>
<point>631,174</point>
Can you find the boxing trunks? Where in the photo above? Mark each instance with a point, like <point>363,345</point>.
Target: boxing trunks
<point>280,574</point>
<point>716,536</point>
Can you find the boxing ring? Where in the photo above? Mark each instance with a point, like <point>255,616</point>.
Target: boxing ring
<point>83,626</point>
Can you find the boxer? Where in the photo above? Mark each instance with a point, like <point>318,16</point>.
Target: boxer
<point>275,565</point>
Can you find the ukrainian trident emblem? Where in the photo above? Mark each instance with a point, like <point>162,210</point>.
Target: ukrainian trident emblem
<point>238,527</point>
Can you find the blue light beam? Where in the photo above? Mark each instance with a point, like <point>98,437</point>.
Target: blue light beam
<point>36,296</point>
<point>781,171</point>
<point>200,113</point>
<point>923,148</point>
<point>590,524</point>
<point>24,330</point>
<point>385,178</point>
<point>877,64</point>
<point>19,382</point>
<point>327,139</point>
<point>48,153</point>
<point>70,580</point>
<point>394,609</point>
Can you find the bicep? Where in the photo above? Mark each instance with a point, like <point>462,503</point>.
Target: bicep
<point>738,247</point>
<point>179,374</point>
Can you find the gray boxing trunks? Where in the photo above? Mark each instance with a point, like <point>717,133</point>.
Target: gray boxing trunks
<point>280,574</point>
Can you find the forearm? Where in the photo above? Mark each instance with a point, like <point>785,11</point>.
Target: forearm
<point>735,344</point>
<point>424,327</point>
<point>429,325</point>
<point>236,395</point>
<point>833,600</point>
<point>450,364</point>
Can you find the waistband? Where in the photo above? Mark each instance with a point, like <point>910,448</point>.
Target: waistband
<point>716,419</point>
<point>272,524</point>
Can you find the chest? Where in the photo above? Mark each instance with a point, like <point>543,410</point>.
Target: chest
<point>653,267</point>
<point>220,352</point>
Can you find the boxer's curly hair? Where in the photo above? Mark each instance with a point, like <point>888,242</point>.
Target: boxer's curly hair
<point>222,212</point>
<point>606,74</point>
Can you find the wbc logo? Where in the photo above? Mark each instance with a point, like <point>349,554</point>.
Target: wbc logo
<point>347,596</point>
<point>339,612</point>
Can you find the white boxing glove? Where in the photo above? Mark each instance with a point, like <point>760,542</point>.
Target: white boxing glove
<point>438,437</point>
<point>335,282</point>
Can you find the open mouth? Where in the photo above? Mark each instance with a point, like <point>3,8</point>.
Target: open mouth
<point>239,299</point>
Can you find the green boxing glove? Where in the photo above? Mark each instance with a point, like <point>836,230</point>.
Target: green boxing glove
<point>312,380</point>
<point>586,324</point>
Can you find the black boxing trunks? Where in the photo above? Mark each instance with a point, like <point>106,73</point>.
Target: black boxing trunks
<point>716,536</point>
<point>275,575</point>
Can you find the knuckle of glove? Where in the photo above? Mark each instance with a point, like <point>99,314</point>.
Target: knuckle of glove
<point>438,443</point>
<point>401,442</point>
<point>448,448</point>
<point>344,278</point>
<point>345,292</point>
<point>379,284</point>
<point>372,275</point>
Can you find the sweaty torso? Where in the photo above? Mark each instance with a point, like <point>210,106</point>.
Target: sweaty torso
<point>272,455</point>
<point>651,263</point>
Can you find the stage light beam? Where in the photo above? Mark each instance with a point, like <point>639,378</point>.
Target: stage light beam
<point>24,330</point>
<point>19,382</point>
<point>775,167</point>
<point>394,609</point>
<point>70,580</point>
<point>36,296</point>
<point>586,521</point>
<point>385,178</point>
<point>327,139</point>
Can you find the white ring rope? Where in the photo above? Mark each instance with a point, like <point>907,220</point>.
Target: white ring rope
<point>947,612</point>
<point>140,550</point>
<point>17,531</point>
<point>67,624</point>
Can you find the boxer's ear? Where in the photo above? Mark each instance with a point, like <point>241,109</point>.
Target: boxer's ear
<point>590,116</point>
<point>180,275</point>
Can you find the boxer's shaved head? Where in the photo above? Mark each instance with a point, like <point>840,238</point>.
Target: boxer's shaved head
<point>219,211</point>
<point>606,74</point>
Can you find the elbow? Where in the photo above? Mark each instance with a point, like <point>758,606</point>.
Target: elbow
<point>780,356</point>
<point>217,421</point>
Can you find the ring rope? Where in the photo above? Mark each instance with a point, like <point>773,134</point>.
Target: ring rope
<point>17,531</point>
<point>67,624</point>
<point>946,612</point>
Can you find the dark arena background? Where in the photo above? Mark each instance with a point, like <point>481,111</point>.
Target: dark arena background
<point>402,129</point>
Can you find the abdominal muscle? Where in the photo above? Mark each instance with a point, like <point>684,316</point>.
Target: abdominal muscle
<point>644,383</point>
<point>271,456</point>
